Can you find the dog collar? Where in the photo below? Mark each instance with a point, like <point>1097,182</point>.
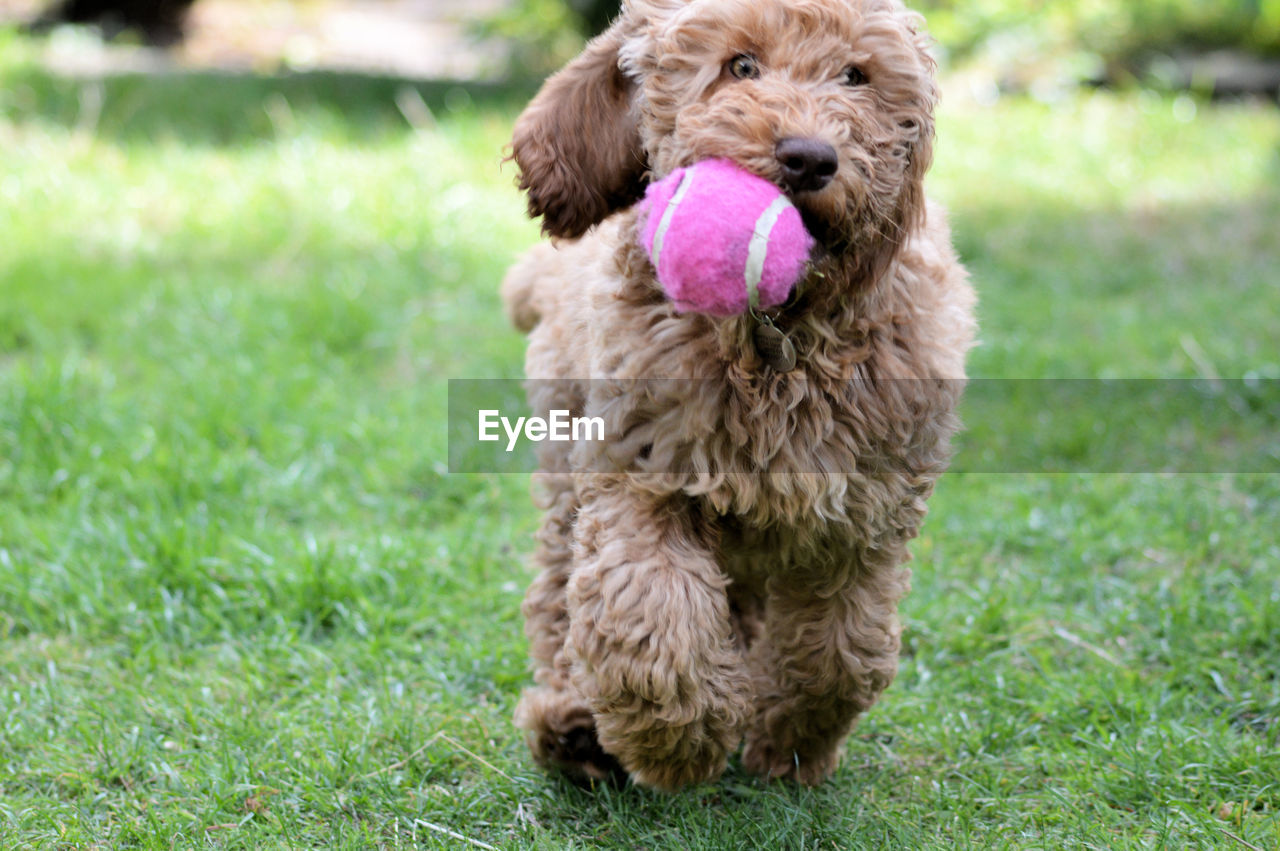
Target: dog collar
<point>772,344</point>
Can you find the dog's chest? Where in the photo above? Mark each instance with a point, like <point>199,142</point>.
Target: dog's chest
<point>845,457</point>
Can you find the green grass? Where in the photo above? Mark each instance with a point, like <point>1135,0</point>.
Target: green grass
<point>243,606</point>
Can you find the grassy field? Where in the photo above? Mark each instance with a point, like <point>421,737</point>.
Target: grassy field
<point>242,605</point>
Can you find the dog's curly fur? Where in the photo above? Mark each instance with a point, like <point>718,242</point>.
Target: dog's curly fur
<point>730,566</point>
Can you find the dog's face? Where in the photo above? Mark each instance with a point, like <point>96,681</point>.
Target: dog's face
<point>831,100</point>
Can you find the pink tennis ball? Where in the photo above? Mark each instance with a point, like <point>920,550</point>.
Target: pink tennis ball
<point>715,232</point>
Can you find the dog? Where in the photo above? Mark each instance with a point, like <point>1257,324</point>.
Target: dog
<point>728,570</point>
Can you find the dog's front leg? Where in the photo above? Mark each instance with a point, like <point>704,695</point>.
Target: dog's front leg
<point>649,632</point>
<point>829,647</point>
<point>559,728</point>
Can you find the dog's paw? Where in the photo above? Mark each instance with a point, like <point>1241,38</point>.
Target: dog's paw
<point>561,733</point>
<point>577,753</point>
<point>672,772</point>
<point>767,759</point>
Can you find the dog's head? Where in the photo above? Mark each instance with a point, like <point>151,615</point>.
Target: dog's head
<point>832,100</point>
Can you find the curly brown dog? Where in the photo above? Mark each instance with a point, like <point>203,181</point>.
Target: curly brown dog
<point>729,567</point>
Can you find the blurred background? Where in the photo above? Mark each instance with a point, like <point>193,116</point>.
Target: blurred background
<point>1223,46</point>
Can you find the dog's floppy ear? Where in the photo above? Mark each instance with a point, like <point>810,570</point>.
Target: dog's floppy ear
<point>909,213</point>
<point>916,125</point>
<point>577,143</point>
<point>919,129</point>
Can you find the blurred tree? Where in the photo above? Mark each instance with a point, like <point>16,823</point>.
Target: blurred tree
<point>1116,30</point>
<point>159,22</point>
<point>595,14</point>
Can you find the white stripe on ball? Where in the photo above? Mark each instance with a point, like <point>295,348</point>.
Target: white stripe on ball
<point>758,248</point>
<point>686,180</point>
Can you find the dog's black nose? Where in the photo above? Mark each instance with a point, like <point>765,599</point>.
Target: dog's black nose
<point>807,164</point>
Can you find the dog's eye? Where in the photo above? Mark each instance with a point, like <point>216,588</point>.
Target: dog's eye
<point>854,77</point>
<point>744,67</point>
